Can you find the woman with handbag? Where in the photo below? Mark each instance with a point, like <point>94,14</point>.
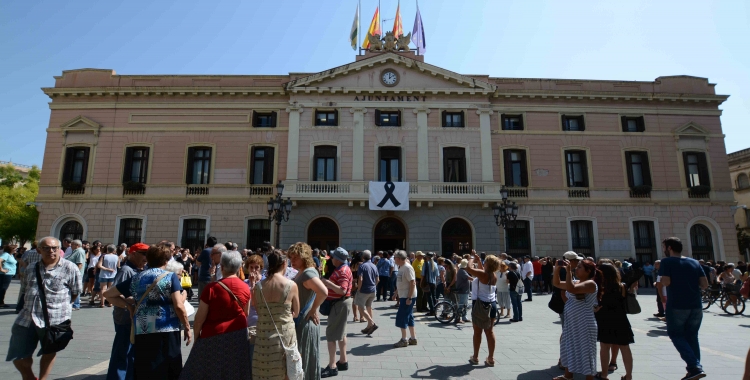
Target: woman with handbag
<point>484,309</point>
<point>276,300</point>
<point>221,326</point>
<point>312,293</point>
<point>613,327</point>
<point>158,313</point>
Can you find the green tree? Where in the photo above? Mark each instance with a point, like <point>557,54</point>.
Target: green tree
<point>17,220</point>
<point>743,240</point>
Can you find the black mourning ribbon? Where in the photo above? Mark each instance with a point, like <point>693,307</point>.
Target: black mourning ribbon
<point>389,187</point>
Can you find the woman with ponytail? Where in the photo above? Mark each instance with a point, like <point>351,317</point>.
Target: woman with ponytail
<point>578,343</point>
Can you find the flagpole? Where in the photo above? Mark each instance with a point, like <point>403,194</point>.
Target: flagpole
<point>359,27</point>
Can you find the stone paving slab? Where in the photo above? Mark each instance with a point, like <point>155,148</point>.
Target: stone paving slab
<point>525,351</point>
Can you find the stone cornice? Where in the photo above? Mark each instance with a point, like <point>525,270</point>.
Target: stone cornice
<point>85,92</point>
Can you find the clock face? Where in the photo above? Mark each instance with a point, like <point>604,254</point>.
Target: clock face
<point>389,78</point>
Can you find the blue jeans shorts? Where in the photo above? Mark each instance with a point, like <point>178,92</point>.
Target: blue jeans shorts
<point>405,313</point>
<point>23,342</point>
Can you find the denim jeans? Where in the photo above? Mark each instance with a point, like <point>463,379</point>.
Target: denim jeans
<point>123,355</point>
<point>682,328</point>
<point>527,286</point>
<point>392,283</point>
<point>5,280</point>
<point>77,304</point>
<point>515,301</point>
<point>462,302</point>
<point>384,282</point>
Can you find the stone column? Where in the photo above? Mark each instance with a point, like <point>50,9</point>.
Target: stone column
<point>292,151</point>
<point>358,144</point>
<point>485,136</point>
<point>423,165</point>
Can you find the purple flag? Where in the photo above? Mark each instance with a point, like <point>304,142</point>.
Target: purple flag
<point>417,34</point>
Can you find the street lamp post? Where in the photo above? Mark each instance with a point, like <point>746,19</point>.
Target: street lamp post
<point>506,212</point>
<point>278,210</point>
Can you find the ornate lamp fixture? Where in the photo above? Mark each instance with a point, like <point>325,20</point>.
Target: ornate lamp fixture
<point>506,212</point>
<point>279,209</point>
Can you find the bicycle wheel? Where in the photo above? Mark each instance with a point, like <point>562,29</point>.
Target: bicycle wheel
<point>445,312</point>
<point>707,299</point>
<point>733,305</point>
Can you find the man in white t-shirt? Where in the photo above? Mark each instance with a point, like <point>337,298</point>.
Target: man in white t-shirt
<point>406,288</point>
<point>527,274</point>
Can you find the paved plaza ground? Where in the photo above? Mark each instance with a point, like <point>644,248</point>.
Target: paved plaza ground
<point>525,351</point>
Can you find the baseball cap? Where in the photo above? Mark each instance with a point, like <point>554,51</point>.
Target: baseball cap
<point>420,253</point>
<point>340,254</point>
<point>138,247</point>
<point>570,255</point>
<point>430,254</point>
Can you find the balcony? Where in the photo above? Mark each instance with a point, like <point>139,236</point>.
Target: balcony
<point>579,193</point>
<point>197,190</point>
<point>457,188</point>
<point>261,190</point>
<point>518,192</point>
<point>131,188</point>
<point>73,188</point>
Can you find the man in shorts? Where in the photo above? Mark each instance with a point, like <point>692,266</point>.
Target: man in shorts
<point>339,286</point>
<point>368,280</point>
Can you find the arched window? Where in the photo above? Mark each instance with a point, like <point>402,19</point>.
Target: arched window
<point>701,242</point>
<point>389,234</point>
<point>72,230</point>
<point>742,181</point>
<point>456,237</point>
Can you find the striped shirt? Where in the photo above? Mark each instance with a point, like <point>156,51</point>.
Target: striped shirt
<point>60,282</point>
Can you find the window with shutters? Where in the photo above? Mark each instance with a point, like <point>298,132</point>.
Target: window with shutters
<point>514,163</point>
<point>199,166</point>
<point>512,122</point>
<point>258,231</point>
<point>389,169</point>
<point>387,118</point>
<point>644,240</point>
<point>576,168</point>
<point>136,165</point>
<point>633,124</point>
<point>454,165</point>
<point>324,160</point>
<point>573,123</point>
<point>696,169</point>
<point>130,231</point>
<point>76,165</point>
<point>264,119</point>
<point>639,173</point>
<point>742,181</point>
<point>327,118</point>
<point>262,166</point>
<point>453,119</point>
<point>193,234</point>
<point>582,237</point>
<point>518,238</point>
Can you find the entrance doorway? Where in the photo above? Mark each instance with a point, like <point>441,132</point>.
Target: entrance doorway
<point>701,242</point>
<point>456,237</point>
<point>323,233</point>
<point>389,234</point>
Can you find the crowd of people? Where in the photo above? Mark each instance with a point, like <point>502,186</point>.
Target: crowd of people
<point>262,309</point>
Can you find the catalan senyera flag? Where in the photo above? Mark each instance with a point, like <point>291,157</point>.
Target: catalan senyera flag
<point>373,29</point>
<point>398,28</point>
<point>355,30</point>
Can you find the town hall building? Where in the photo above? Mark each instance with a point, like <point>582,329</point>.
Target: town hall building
<point>604,168</point>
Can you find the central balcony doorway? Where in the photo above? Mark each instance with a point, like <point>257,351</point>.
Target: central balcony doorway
<point>389,234</point>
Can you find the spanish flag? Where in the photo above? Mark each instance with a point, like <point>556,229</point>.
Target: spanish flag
<point>398,29</point>
<point>373,30</point>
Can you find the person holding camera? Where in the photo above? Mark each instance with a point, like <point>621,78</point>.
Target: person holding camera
<point>578,344</point>
<point>484,311</point>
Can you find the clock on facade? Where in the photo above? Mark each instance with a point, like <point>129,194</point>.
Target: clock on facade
<point>389,77</point>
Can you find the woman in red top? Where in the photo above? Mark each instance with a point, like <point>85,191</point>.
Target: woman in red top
<point>221,349</point>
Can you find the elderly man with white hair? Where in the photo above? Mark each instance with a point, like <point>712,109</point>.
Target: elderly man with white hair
<point>62,285</point>
<point>368,282</point>
<point>216,252</point>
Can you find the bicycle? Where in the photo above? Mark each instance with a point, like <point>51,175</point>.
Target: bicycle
<point>446,310</point>
<point>730,301</point>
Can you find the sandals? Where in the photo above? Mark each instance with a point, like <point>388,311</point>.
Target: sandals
<point>610,369</point>
<point>599,376</point>
<point>473,360</point>
<point>489,364</point>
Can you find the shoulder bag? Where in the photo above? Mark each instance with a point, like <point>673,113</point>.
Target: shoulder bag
<point>519,284</point>
<point>186,281</point>
<point>327,305</point>
<point>293,358</point>
<point>251,331</point>
<point>56,337</point>
<point>631,303</point>
<point>150,287</point>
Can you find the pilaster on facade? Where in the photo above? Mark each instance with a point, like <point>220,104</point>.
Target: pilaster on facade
<point>423,163</point>
<point>292,162</point>
<point>485,132</point>
<point>358,142</point>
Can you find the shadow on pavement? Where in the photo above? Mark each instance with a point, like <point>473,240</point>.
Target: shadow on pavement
<point>541,374</point>
<point>85,377</point>
<point>444,372</point>
<point>367,349</point>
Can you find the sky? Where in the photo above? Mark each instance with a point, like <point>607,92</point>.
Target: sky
<point>613,40</point>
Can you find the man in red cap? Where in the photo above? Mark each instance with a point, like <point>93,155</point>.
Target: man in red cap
<point>121,363</point>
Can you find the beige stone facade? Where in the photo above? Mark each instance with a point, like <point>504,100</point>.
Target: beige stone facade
<point>739,169</point>
<point>574,146</point>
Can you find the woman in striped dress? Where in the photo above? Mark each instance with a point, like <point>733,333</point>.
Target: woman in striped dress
<point>578,342</point>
